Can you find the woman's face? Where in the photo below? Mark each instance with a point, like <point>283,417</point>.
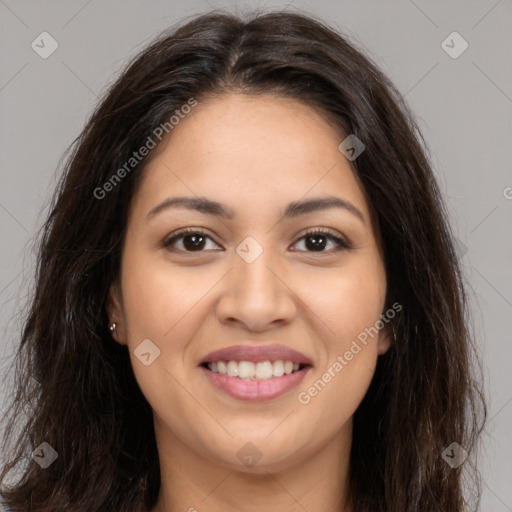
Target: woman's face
<point>251,281</point>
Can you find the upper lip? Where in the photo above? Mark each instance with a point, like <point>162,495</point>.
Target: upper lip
<point>256,354</point>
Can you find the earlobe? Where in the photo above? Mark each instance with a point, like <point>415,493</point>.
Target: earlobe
<point>115,314</point>
<point>386,338</point>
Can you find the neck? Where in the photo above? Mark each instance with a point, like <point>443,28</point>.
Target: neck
<point>192,483</point>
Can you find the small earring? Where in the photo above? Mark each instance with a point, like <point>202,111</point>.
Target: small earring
<point>112,328</point>
<point>392,328</point>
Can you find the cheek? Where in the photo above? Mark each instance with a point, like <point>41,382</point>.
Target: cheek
<point>165,304</point>
<point>162,306</point>
<point>352,308</point>
<point>159,297</point>
<point>346,300</point>
<point>348,307</point>
<point>330,399</point>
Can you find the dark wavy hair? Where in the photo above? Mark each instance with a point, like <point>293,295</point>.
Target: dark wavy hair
<point>75,388</point>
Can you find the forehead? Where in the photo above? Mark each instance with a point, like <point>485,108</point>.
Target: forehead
<point>243,150</point>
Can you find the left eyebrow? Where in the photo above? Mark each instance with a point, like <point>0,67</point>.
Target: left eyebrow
<point>294,209</point>
<point>322,203</point>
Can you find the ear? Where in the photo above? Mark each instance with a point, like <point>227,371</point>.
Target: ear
<point>115,313</point>
<point>386,338</point>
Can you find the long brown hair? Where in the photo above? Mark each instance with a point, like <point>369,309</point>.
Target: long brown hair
<point>75,388</point>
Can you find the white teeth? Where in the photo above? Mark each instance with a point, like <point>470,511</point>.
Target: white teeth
<point>233,369</point>
<point>246,369</point>
<point>278,368</point>
<point>264,370</point>
<point>288,367</point>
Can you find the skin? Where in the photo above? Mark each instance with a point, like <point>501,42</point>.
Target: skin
<point>255,154</point>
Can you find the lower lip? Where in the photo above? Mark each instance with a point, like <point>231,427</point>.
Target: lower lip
<point>255,390</point>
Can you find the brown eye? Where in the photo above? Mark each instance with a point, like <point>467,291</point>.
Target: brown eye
<point>318,240</point>
<point>196,240</point>
<point>192,240</point>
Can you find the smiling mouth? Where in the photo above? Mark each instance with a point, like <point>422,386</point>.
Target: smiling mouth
<point>254,371</point>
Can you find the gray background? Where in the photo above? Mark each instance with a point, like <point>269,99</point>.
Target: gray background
<point>463,106</point>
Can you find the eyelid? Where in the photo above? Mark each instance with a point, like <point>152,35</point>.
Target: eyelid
<point>341,241</point>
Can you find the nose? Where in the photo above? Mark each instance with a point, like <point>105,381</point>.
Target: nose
<point>256,295</point>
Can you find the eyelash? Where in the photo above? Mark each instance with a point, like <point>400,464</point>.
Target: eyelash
<point>342,244</point>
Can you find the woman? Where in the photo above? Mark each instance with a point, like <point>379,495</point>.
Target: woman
<point>247,295</point>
